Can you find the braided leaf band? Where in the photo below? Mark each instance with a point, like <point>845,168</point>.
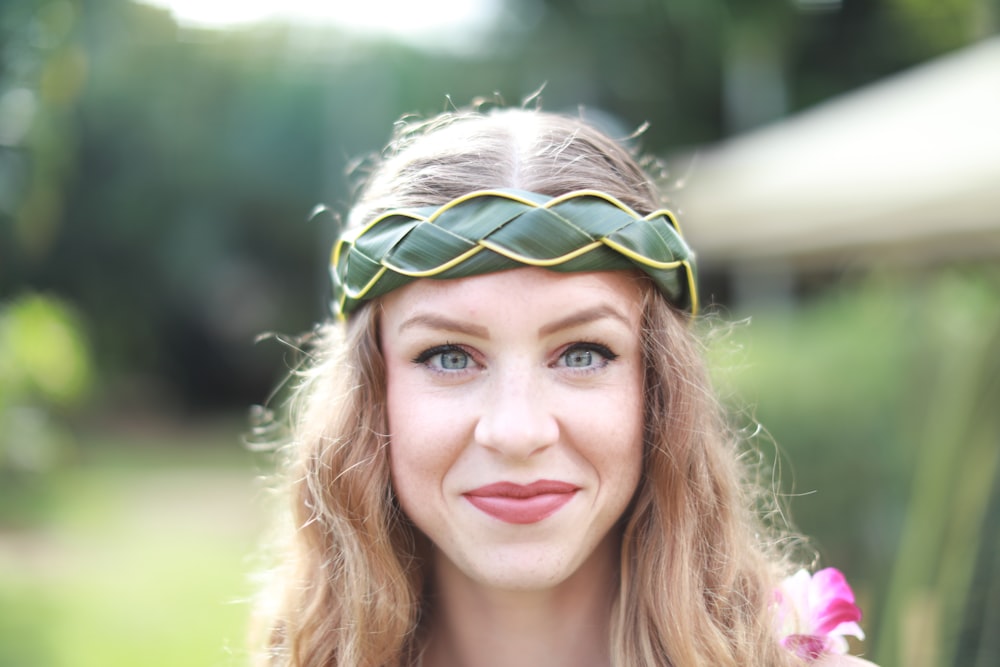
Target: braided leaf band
<point>495,230</point>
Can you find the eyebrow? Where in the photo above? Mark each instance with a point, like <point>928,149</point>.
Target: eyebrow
<point>439,322</point>
<point>585,316</point>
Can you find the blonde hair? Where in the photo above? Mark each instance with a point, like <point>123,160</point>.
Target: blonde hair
<point>698,568</point>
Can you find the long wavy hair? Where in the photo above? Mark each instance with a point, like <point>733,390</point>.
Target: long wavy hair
<point>699,567</point>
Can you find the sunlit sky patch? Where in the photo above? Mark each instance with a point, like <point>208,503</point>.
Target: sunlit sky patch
<point>406,20</point>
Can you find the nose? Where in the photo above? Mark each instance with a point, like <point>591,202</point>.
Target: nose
<point>517,420</point>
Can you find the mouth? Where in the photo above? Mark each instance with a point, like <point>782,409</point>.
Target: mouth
<point>519,503</point>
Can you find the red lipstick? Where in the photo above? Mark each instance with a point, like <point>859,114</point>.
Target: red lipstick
<point>519,503</point>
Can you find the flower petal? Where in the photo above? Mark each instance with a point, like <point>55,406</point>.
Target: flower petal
<point>826,619</point>
<point>793,602</point>
<point>852,629</point>
<point>807,647</point>
<point>831,583</point>
<point>831,602</point>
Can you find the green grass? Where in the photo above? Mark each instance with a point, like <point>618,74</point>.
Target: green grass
<point>141,556</point>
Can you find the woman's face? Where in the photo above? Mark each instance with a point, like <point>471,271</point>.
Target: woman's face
<point>515,418</point>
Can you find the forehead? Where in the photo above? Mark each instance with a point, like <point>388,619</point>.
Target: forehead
<point>522,294</point>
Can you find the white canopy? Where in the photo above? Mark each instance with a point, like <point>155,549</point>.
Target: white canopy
<point>910,166</point>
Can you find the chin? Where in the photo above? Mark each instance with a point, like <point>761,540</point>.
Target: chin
<point>527,579</point>
<point>525,569</point>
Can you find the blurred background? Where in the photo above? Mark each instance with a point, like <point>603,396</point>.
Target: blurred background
<point>836,162</point>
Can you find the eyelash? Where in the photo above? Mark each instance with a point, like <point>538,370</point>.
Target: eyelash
<point>604,351</point>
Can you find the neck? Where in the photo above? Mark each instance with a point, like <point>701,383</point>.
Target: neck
<point>568,625</point>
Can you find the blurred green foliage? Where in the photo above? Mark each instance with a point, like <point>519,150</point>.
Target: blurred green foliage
<point>881,400</point>
<point>142,558</point>
<point>46,373</point>
<point>43,354</point>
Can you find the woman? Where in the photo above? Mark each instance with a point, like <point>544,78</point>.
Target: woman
<point>510,454</point>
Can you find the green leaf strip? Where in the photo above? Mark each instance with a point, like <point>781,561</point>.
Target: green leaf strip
<point>496,230</point>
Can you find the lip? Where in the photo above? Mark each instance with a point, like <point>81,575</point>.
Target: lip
<point>522,503</point>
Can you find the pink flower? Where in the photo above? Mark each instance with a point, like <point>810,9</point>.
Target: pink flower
<point>815,613</point>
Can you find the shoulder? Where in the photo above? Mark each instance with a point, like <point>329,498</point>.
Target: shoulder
<point>842,661</point>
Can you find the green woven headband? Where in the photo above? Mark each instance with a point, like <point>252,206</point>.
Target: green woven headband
<point>494,230</point>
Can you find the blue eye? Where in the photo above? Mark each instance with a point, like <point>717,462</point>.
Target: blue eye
<point>453,360</point>
<point>578,358</point>
<point>445,358</point>
<point>586,356</point>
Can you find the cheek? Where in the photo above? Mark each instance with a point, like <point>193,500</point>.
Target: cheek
<point>424,442</point>
<point>627,458</point>
<point>406,443</point>
<point>621,441</point>
<point>411,479</point>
